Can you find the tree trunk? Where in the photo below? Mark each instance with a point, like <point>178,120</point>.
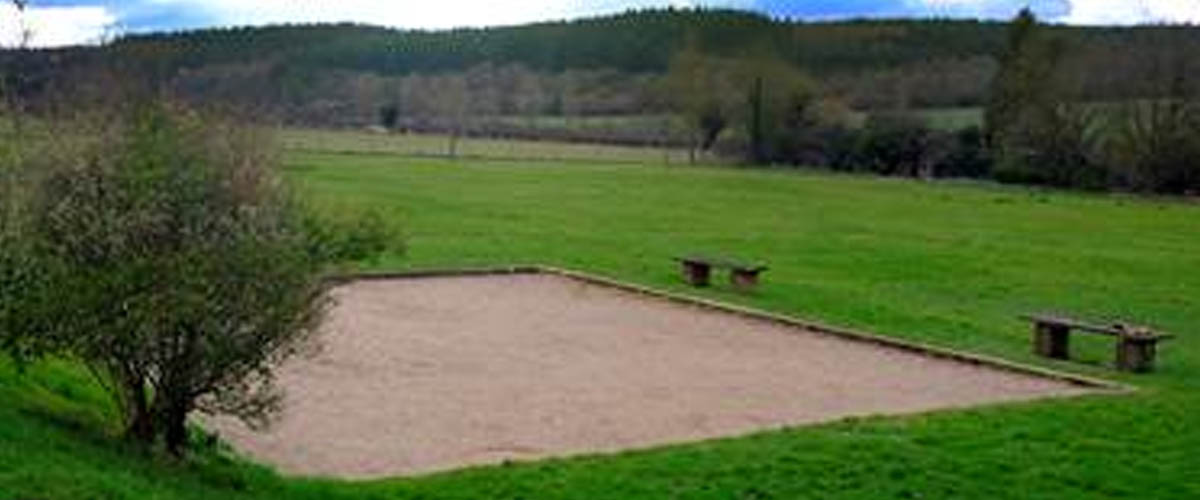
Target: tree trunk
<point>454,144</point>
<point>140,424</point>
<point>758,150</point>
<point>139,419</point>
<point>176,427</point>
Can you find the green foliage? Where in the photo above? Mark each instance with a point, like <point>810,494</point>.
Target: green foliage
<point>767,98</point>
<point>895,144</point>
<point>168,257</point>
<point>350,235</point>
<point>340,75</point>
<point>705,92</point>
<point>1041,132</point>
<point>890,143</point>
<point>1036,127</point>
<point>1156,145</point>
<point>389,116</point>
<point>1025,67</point>
<point>968,155</point>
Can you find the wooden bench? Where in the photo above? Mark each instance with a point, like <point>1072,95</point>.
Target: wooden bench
<point>697,270</point>
<point>1135,349</point>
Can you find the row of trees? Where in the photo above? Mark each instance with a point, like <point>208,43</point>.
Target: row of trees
<point>1042,129</point>
<point>1039,128</point>
<point>319,75</point>
<point>646,42</point>
<point>761,94</point>
<point>344,98</point>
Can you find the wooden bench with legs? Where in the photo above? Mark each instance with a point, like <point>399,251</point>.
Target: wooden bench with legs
<point>697,270</point>
<point>1136,347</point>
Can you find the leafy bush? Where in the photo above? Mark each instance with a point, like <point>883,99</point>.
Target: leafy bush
<point>170,258</point>
<point>1057,145</point>
<point>968,156</point>
<point>1156,146</point>
<point>899,144</point>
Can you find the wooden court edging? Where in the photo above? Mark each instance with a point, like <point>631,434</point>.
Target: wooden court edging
<point>436,273</point>
<point>756,314</point>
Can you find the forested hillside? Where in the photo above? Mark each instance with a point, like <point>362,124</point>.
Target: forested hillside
<point>341,74</point>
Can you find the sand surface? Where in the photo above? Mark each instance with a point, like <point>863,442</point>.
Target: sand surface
<point>421,375</point>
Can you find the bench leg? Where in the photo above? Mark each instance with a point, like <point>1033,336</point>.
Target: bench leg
<point>696,273</point>
<point>743,280</point>
<point>1136,355</point>
<point>1051,341</point>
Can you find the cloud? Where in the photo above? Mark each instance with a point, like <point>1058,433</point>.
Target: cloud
<point>59,22</point>
<point>1085,12</point>
<point>141,15</point>
<point>1134,11</point>
<point>986,9</point>
<point>54,26</point>
<point>994,9</point>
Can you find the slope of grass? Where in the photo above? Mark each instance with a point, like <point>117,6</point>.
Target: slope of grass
<point>950,264</point>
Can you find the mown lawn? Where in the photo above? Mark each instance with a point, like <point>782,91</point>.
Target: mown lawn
<point>945,263</point>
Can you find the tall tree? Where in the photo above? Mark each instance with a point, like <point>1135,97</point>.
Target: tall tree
<point>703,90</point>
<point>451,102</point>
<point>1024,69</point>
<point>1035,123</point>
<point>1155,143</point>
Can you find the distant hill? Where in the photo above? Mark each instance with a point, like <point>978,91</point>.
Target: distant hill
<point>636,41</point>
<point>871,63</point>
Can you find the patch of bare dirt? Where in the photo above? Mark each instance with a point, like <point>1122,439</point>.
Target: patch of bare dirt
<point>421,375</point>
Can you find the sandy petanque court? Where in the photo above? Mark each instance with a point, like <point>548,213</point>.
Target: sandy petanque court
<point>428,374</point>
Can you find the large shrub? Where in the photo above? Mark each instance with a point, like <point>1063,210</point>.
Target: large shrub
<point>899,143</point>
<point>170,257</point>
<point>1155,145</point>
<point>967,156</point>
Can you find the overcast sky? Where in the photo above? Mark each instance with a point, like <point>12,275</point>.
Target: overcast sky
<point>64,22</point>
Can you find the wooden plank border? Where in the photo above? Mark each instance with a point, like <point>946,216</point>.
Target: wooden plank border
<point>755,314</point>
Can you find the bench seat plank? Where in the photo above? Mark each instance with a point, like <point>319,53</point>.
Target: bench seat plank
<point>1073,324</point>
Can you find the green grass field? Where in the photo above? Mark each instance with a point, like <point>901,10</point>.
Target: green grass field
<point>950,264</point>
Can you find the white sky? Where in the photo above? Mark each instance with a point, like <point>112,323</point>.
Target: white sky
<point>1133,11</point>
<point>64,25</point>
<point>55,26</point>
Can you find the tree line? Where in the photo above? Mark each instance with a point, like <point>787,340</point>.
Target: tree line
<point>1041,125</point>
<point>729,83</point>
<point>869,64</point>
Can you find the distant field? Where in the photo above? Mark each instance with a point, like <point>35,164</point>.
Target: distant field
<point>649,123</point>
<point>948,119</point>
<point>363,142</point>
<point>951,264</point>
<point>953,118</point>
<point>430,145</point>
<point>939,118</point>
